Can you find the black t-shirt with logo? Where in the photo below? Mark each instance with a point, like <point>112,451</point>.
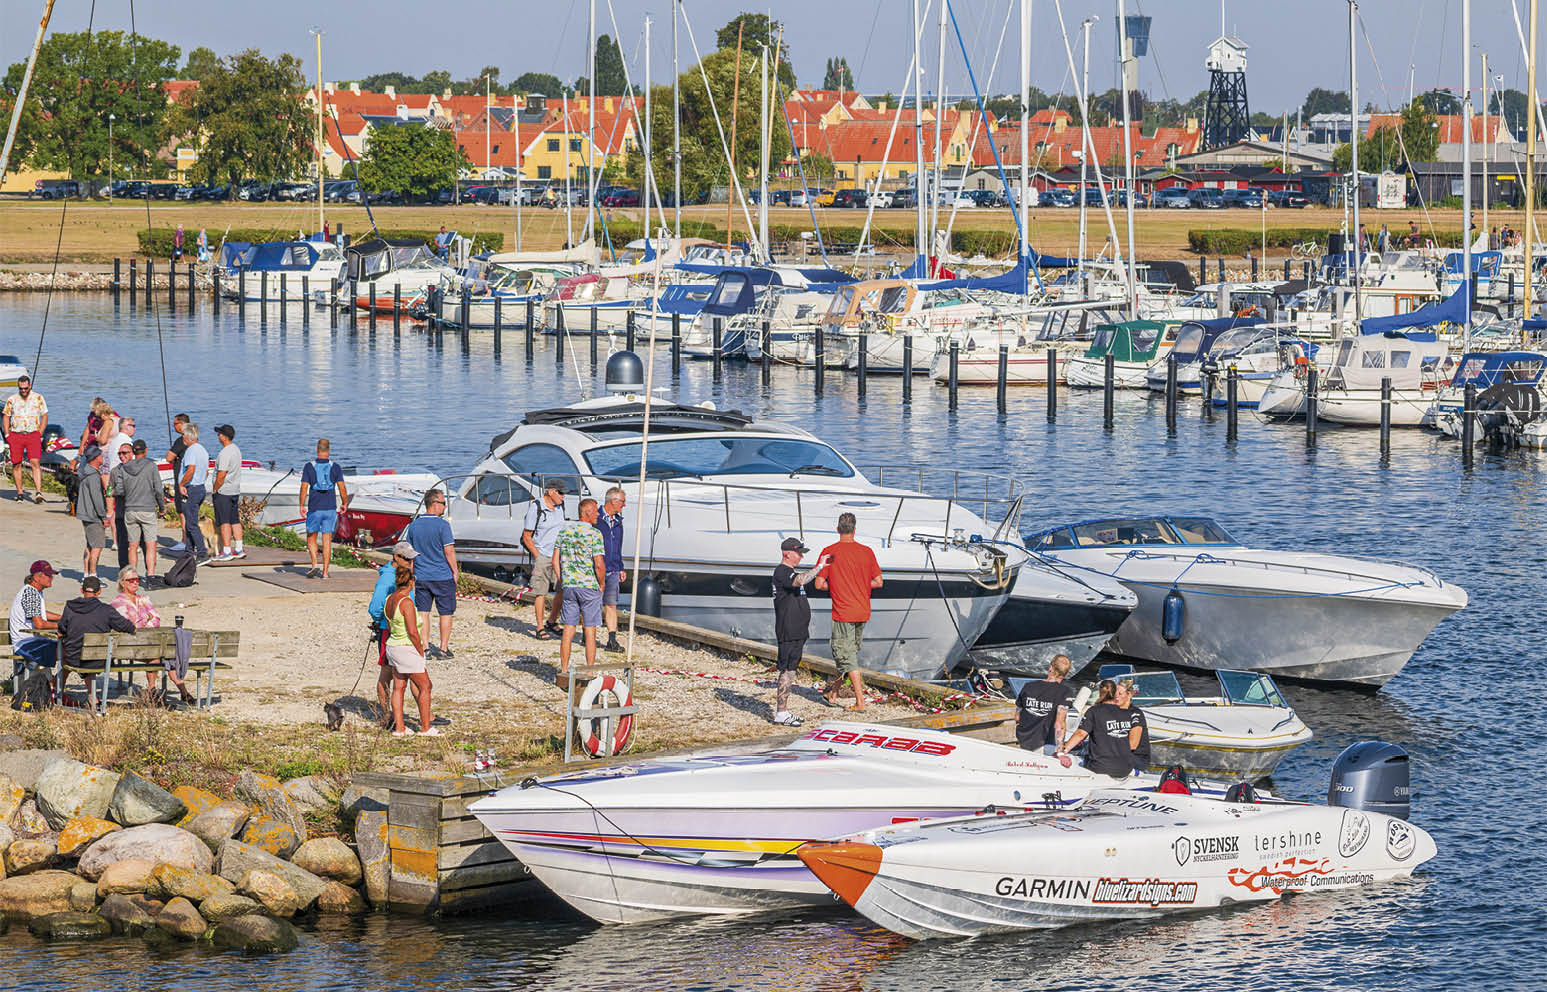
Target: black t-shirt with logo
<point>1036,712</point>
<point>1106,727</point>
<point>792,610</point>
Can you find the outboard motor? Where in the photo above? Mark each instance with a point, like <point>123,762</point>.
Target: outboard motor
<point>625,373</point>
<point>1372,776</point>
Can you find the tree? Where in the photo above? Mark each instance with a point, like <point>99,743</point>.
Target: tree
<point>1441,102</point>
<point>816,165</point>
<point>401,82</point>
<point>475,84</point>
<point>200,61</point>
<point>81,79</point>
<point>838,76</point>
<point>757,32</point>
<point>1513,106</point>
<point>434,82</point>
<point>412,159</point>
<point>1377,153</point>
<point>545,83</point>
<point>610,78</point>
<point>1420,131</point>
<point>1320,101</point>
<point>245,120</point>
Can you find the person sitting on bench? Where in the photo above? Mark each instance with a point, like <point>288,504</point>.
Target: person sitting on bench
<point>87,614</point>
<point>133,605</point>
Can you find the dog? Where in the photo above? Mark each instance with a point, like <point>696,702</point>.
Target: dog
<point>335,715</point>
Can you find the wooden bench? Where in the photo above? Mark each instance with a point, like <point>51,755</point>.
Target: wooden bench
<point>116,654</point>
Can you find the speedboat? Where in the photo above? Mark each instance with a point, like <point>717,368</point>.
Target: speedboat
<point>718,835</point>
<point>1053,610</point>
<point>11,370</point>
<point>381,501</point>
<point>1508,387</point>
<point>393,272</point>
<point>1207,602</point>
<point>720,494</point>
<point>1123,855</point>
<point>1257,354</point>
<point>283,271</point>
<point>582,302</point>
<point>1193,342</point>
<point>1134,345</point>
<point>1241,734</point>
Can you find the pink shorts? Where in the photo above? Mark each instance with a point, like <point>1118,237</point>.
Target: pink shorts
<point>25,447</point>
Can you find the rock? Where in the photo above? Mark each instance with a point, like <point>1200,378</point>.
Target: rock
<point>7,838</point>
<point>175,880</point>
<point>161,843</point>
<point>255,935</point>
<point>357,800</point>
<point>273,892</point>
<point>129,875</point>
<point>310,792</point>
<point>195,801</point>
<point>277,837</point>
<point>11,797</point>
<point>375,859</point>
<point>329,857</point>
<point>10,742</point>
<point>69,788</point>
<point>268,794</point>
<point>83,897</point>
<point>340,898</point>
<point>69,926</point>
<point>37,894</point>
<point>138,800</point>
<point>218,824</point>
<point>237,859</point>
<point>145,902</point>
<point>218,908</point>
<point>24,766</point>
<point>125,916</point>
<point>24,857</point>
<point>180,919</point>
<point>81,832</point>
<point>28,822</point>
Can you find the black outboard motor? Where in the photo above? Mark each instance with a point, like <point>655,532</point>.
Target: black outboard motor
<point>625,373</point>
<point>1372,776</point>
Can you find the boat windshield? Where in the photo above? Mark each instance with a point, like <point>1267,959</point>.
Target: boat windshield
<point>1154,531</point>
<point>1249,689</point>
<point>1144,338</point>
<point>893,299</point>
<point>702,457</point>
<point>1189,340</point>
<point>1102,343</point>
<point>1153,688</point>
<point>1199,530</point>
<point>1233,341</point>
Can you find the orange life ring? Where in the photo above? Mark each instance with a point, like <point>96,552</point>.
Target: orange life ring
<point>591,743</point>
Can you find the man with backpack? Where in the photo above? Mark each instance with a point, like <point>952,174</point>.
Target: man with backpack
<point>323,495</point>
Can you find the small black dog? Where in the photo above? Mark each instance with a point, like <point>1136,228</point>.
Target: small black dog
<point>335,714</point>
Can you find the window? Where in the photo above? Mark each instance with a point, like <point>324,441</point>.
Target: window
<point>1199,530</point>
<point>1400,359</point>
<point>498,490</point>
<point>553,144</point>
<point>1131,531</point>
<point>574,144</point>
<point>544,172</point>
<point>699,457</point>
<point>728,292</point>
<point>538,463</point>
<point>1374,360</point>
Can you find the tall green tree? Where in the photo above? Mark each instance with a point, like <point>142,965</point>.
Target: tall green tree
<point>401,82</point>
<point>1441,102</point>
<point>412,159</point>
<point>1320,101</point>
<point>757,32</point>
<point>610,78</point>
<point>436,82</point>
<point>838,76</point>
<point>246,121</point>
<point>1420,132</point>
<point>545,83</point>
<point>80,80</point>
<point>1377,153</point>
<point>200,61</point>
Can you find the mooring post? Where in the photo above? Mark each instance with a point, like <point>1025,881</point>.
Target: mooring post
<point>1286,270</point>
<point>134,270</point>
<point>1221,260</point>
<point>676,347</point>
<point>719,339</point>
<point>1231,385</point>
<point>172,286</point>
<point>306,301</point>
<point>191,281</point>
<point>1108,389</point>
<point>284,297</point>
<point>465,315</point>
<point>1052,385</point>
<point>498,321</point>
<point>907,369</point>
<point>263,296</point>
<point>1254,268</point>
<point>529,317</point>
<point>1385,415</point>
<point>1170,396</point>
<point>372,316</point>
<point>559,331</point>
<point>595,317</point>
<point>333,303</point>
<point>1203,269</point>
<point>214,296</point>
<point>766,330</point>
<point>951,377</point>
<point>150,283</point>
<point>117,276</point>
<point>397,307</point>
<point>628,327</point>
<point>1310,407</point>
<point>821,360</point>
<point>863,365</point>
<point>1468,424</point>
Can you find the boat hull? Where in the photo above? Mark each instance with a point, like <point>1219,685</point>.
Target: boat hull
<point>1090,373</point>
<point>1361,407</point>
<point>1047,615</point>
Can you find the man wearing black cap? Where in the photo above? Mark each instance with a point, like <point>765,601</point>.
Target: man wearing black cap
<point>792,621</point>
<point>87,614</point>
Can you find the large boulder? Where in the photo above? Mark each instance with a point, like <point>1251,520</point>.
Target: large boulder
<point>11,797</point>
<point>81,832</point>
<point>180,919</point>
<point>138,800</point>
<point>7,838</point>
<point>272,892</point>
<point>310,792</point>
<point>28,822</point>
<point>277,837</point>
<point>145,902</point>
<point>69,788</point>
<point>329,857</point>
<point>375,858</point>
<point>160,843</point>
<point>340,898</point>
<point>255,935</point>
<point>83,897</point>
<point>37,894</point>
<point>358,799</point>
<point>218,823</point>
<point>23,766</point>
<point>195,801</point>
<point>268,794</point>
<point>69,926</point>
<point>24,857</point>
<point>125,916</point>
<point>197,886</point>
<point>237,859</point>
<point>219,908</point>
<point>129,875</point>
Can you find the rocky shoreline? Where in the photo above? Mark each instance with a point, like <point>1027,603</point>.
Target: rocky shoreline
<point>67,281</point>
<point>88,853</point>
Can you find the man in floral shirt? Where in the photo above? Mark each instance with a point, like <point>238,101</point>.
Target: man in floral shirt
<point>578,559</point>
<point>24,418</point>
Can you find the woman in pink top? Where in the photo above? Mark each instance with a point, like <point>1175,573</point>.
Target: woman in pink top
<point>136,607</point>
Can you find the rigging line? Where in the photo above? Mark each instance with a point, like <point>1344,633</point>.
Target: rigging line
<point>868,39</point>
<point>150,290</point>
<point>1402,144</point>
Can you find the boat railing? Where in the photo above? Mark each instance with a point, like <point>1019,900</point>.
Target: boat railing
<point>1224,558</point>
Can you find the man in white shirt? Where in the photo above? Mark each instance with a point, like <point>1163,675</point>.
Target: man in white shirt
<point>228,494</point>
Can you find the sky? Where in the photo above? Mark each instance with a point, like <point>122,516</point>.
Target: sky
<point>1292,47</point>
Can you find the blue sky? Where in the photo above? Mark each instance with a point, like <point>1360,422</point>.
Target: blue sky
<point>1292,46</point>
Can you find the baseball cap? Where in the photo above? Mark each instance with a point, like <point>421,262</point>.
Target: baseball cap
<point>793,544</point>
<point>91,584</point>
<point>91,452</point>
<point>41,567</point>
<point>405,550</point>
<point>227,430</point>
<point>554,485</point>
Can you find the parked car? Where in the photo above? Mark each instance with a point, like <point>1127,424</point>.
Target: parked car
<point>1058,198</point>
<point>851,198</point>
<point>56,189</point>
<point>983,197</point>
<point>253,191</point>
<point>1174,197</point>
<point>620,197</point>
<point>1206,198</point>
<point>1251,197</point>
<point>163,191</point>
<point>905,198</point>
<point>338,190</point>
<point>1288,198</point>
<point>810,197</point>
<point>1120,199</point>
<point>881,198</point>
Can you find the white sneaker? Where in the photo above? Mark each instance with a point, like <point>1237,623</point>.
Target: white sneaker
<point>239,553</point>
<point>787,720</point>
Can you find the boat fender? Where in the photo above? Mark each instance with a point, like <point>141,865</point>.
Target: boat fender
<point>1173,616</point>
<point>591,742</point>
<point>1082,699</point>
<point>647,596</point>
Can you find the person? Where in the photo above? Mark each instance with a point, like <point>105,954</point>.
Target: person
<point>1114,731</point>
<point>1384,239</point>
<point>578,560</point>
<point>91,508</point>
<point>544,519</point>
<point>190,486</point>
<point>403,555</point>
<point>435,570</point>
<point>101,425</point>
<point>405,654</point>
<point>177,244</point>
<point>29,614</point>
<point>135,502</point>
<point>203,246</point>
<point>850,574</point>
<point>112,459</point>
<point>228,495</point>
<point>134,606</point>
<point>174,457</point>
<point>610,523</point>
<point>792,621</point>
<point>323,495</point>
<point>24,419</point>
<point>87,614</point>
<point>1041,708</point>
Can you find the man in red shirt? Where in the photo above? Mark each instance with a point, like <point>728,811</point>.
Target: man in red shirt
<point>850,575</point>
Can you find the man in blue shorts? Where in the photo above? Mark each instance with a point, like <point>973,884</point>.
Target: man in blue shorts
<point>323,495</point>
<point>435,570</point>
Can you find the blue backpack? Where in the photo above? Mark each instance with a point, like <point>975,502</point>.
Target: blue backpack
<point>324,473</point>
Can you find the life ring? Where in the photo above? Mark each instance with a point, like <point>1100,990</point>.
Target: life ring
<point>623,727</point>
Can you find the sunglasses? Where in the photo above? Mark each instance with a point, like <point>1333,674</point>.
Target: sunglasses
<point>133,581</point>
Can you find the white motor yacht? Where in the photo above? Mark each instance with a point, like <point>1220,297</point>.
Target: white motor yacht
<point>283,271</point>
<point>11,369</point>
<point>1508,387</point>
<point>1134,345</point>
<point>1207,602</point>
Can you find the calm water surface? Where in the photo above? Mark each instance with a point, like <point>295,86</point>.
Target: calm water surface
<point>1462,706</point>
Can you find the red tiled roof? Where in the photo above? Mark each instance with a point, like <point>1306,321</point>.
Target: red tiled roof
<point>1450,126</point>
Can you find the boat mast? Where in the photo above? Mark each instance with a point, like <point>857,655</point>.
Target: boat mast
<point>939,185</point>
<point>1529,242</point>
<point>1022,203</point>
<point>1125,60</point>
<point>676,144</point>
<point>1489,242</point>
<point>321,220</point>
<point>762,183</point>
<point>26,81</point>
<point>649,182</point>
<point>569,167</point>
<point>1466,169</point>
<point>1353,141</point>
<point>730,187</point>
<point>1085,142</point>
<point>918,136</point>
<point>590,176</point>
<point>515,133</point>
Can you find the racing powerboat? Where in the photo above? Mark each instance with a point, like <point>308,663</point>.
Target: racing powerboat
<point>1053,611</point>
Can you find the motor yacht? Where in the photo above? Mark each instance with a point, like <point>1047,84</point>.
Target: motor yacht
<point>1508,393</point>
<point>380,272</point>
<point>1208,602</point>
<point>282,271</point>
<point>1053,610</point>
<point>730,319</point>
<point>1134,345</point>
<point>1028,334</point>
<point>589,301</point>
<point>1416,362</point>
<point>1193,341</point>
<point>1257,354</point>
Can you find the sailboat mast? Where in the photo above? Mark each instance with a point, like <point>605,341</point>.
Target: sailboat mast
<point>934,210</point>
<point>676,114</point>
<point>920,242</point>
<point>1084,135</point>
<point>321,219</point>
<point>1125,62</point>
<point>1466,167</point>
<point>730,187</point>
<point>590,176</point>
<point>1353,140</point>
<point>26,81</point>
<point>1489,242</point>
<point>1530,230</point>
<point>1022,204</point>
<point>762,181</point>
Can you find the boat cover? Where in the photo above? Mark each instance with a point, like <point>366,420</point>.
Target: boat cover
<point>1013,281</point>
<point>281,256</point>
<point>1486,368</point>
<point>1452,310</point>
<point>1128,341</point>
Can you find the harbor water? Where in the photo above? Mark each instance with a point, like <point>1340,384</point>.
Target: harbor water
<point>1461,707</point>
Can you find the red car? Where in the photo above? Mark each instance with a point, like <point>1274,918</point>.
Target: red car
<point>621,198</point>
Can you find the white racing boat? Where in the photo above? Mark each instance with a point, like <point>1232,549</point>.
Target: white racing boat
<point>1123,855</point>
<point>670,838</point>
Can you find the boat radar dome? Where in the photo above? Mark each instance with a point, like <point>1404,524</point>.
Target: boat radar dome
<point>625,373</point>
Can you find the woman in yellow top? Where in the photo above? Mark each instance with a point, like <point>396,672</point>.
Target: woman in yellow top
<point>405,655</point>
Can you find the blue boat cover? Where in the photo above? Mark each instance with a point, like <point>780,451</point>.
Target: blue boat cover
<point>815,275</point>
<point>279,256</point>
<point>232,252</point>
<point>1484,262</point>
<point>1533,325</point>
<point>1484,368</point>
<point>1013,281</point>
<point>1452,310</point>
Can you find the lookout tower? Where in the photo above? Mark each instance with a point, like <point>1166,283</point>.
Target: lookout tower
<point>1227,117</point>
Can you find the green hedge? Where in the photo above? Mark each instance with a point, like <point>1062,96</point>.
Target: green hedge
<point>157,242</point>
<point>990,243</point>
<point>1237,240</point>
